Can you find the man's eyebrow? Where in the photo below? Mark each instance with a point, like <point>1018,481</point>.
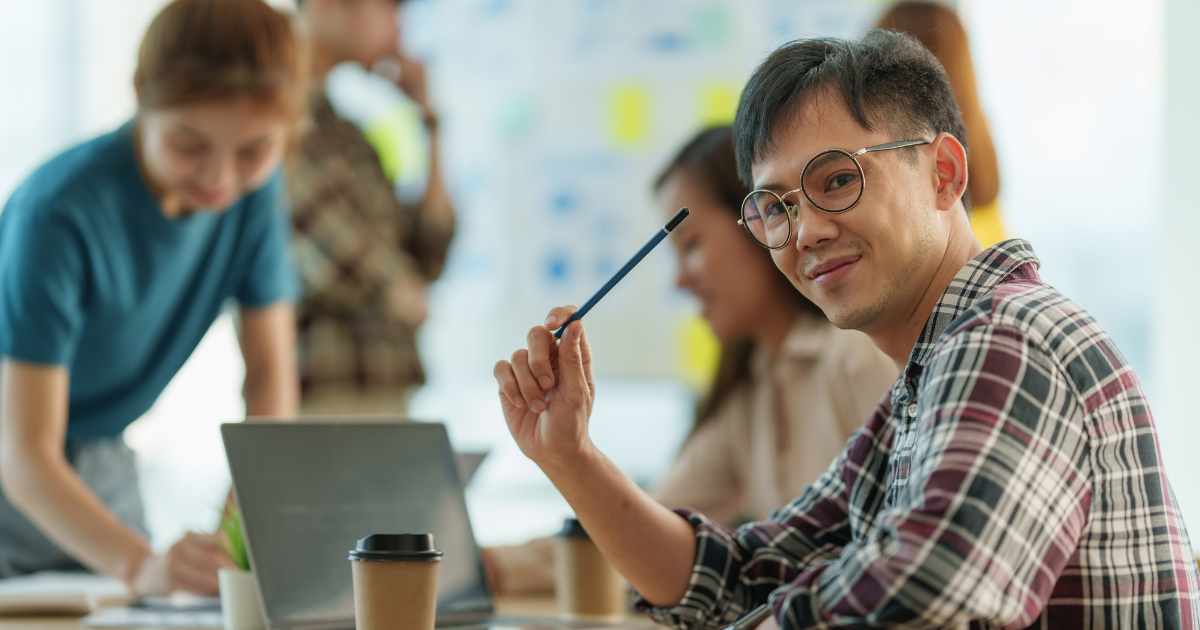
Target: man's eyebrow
<point>824,158</point>
<point>771,186</point>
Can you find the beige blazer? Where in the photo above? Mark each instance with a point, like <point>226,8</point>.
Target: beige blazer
<point>773,437</point>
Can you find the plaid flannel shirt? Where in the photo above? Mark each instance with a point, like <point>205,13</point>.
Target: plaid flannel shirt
<point>1011,479</point>
<point>352,240</point>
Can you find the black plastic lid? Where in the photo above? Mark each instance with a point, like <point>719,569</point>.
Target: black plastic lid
<point>396,548</point>
<point>572,529</point>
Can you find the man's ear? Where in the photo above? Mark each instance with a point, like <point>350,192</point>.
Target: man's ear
<point>950,171</point>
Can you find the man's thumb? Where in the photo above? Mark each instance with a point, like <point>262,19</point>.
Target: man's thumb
<point>570,355</point>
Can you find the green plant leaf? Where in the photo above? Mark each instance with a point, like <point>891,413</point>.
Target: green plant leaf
<point>234,542</point>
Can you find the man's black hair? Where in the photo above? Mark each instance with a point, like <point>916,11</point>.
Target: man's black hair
<point>886,80</point>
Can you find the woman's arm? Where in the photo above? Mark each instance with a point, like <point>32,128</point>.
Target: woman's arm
<point>268,340</point>
<point>38,481</point>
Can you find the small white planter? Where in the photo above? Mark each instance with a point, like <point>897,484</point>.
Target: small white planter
<point>239,600</point>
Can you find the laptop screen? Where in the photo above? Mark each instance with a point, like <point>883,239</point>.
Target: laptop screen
<point>309,490</point>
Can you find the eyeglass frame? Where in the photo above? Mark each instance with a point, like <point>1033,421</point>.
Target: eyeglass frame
<point>792,208</point>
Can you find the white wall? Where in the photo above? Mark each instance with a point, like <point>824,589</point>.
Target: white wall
<point>1176,345</point>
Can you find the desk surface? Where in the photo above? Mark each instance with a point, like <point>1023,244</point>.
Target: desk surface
<point>539,606</point>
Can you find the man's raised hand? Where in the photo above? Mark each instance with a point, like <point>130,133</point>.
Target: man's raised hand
<point>547,391</point>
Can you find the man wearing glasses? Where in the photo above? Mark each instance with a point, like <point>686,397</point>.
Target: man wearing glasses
<point>1011,478</point>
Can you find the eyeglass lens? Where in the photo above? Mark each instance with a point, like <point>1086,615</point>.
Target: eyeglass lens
<point>832,182</point>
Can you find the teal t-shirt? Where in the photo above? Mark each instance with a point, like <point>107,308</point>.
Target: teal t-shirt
<point>95,278</point>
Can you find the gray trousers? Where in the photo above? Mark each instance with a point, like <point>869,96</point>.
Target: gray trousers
<point>109,468</point>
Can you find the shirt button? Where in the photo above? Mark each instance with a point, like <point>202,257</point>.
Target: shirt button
<point>911,410</point>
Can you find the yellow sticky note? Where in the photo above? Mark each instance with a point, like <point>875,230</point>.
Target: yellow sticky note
<point>698,351</point>
<point>628,111</point>
<point>718,103</point>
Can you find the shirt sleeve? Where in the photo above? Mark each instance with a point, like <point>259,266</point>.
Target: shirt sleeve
<point>736,571</point>
<point>993,507</point>
<point>270,275</point>
<point>42,286</point>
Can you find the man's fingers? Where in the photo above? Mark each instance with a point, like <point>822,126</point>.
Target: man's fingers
<point>527,383</point>
<point>508,384</point>
<point>585,357</point>
<point>558,316</point>
<point>570,357</point>
<point>541,342</point>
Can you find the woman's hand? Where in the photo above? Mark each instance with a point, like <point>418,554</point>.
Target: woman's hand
<point>189,565</point>
<point>547,391</point>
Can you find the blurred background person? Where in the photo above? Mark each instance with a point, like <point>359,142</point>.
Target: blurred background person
<point>366,260</point>
<point>789,390</point>
<point>938,28</point>
<point>115,259</point>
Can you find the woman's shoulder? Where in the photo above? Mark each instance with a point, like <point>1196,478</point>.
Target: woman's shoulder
<point>85,171</point>
<point>734,410</point>
<point>854,354</point>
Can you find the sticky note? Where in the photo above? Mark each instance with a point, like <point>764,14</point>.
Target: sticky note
<point>627,108</point>
<point>718,103</point>
<point>713,25</point>
<point>699,351</point>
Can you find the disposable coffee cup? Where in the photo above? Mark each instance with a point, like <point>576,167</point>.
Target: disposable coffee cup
<point>395,582</point>
<point>586,585</point>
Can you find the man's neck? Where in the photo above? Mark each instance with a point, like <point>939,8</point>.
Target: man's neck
<point>898,339</point>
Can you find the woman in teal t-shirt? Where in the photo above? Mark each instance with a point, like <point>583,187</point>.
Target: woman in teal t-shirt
<point>115,258</point>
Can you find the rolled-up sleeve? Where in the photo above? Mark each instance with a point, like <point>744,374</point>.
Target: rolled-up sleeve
<point>736,570</point>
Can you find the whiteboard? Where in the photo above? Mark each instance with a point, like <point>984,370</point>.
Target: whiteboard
<point>557,115</point>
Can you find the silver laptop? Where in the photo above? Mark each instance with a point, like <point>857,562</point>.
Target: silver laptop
<point>309,490</point>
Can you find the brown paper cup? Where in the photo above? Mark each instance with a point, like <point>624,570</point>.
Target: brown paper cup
<point>395,582</point>
<point>395,595</point>
<point>585,583</point>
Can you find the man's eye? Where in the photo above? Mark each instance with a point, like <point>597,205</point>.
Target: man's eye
<point>841,180</point>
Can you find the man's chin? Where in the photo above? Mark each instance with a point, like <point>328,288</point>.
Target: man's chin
<point>851,317</point>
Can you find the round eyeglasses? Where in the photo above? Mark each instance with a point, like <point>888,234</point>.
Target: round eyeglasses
<point>832,182</point>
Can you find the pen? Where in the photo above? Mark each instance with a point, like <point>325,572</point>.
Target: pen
<point>637,258</point>
<point>752,619</point>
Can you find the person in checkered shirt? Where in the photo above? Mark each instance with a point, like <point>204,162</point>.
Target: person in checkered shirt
<point>1011,478</point>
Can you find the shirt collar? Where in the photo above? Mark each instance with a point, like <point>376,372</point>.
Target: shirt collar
<point>977,278</point>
